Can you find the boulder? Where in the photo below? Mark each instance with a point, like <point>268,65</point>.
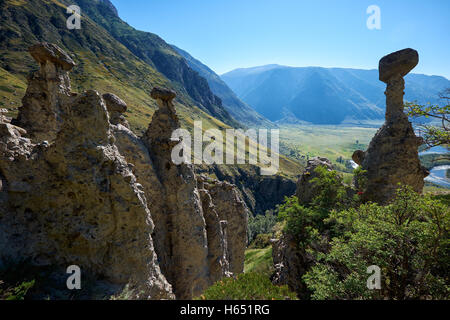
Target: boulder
<point>114,103</point>
<point>48,53</point>
<point>398,63</point>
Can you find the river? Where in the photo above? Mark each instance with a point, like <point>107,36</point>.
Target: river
<point>438,176</point>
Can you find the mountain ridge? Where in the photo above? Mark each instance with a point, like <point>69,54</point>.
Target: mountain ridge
<point>345,95</point>
<point>237,108</point>
<point>98,52</point>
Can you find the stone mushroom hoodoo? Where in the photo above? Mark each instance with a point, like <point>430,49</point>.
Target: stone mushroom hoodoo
<point>78,187</point>
<point>392,156</point>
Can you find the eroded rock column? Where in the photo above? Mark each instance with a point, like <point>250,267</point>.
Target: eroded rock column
<point>188,250</point>
<point>392,156</point>
<point>45,100</point>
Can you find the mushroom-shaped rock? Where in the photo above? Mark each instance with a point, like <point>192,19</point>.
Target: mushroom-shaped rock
<point>114,103</point>
<point>358,156</point>
<point>163,94</point>
<point>48,52</point>
<point>398,63</point>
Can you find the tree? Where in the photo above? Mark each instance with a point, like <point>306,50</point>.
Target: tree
<point>407,239</point>
<point>434,135</point>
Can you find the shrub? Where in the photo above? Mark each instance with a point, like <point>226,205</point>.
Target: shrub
<point>261,224</point>
<point>332,192</point>
<point>302,222</point>
<point>261,241</point>
<point>247,286</point>
<point>15,293</point>
<point>408,240</point>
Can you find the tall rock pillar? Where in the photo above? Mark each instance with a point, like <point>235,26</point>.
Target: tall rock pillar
<point>392,156</point>
<point>188,265</point>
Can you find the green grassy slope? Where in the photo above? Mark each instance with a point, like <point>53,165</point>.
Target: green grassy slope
<point>107,65</point>
<point>103,63</point>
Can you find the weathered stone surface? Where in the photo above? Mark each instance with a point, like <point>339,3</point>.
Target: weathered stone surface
<point>392,156</point>
<point>114,103</point>
<point>77,202</point>
<point>232,209</point>
<point>116,107</point>
<point>217,241</point>
<point>290,264</point>
<point>78,187</point>
<point>398,63</point>
<point>358,156</point>
<point>50,53</point>
<point>306,191</point>
<point>189,267</point>
<point>138,157</point>
<point>3,117</point>
<point>48,94</point>
<point>162,94</point>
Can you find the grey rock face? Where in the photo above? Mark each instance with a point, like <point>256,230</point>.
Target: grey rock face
<point>79,187</point>
<point>48,93</point>
<point>290,264</point>
<point>116,107</point>
<point>392,156</point>
<point>398,63</point>
<point>188,270</point>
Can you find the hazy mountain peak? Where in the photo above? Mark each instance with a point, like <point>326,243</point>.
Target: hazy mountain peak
<point>324,95</point>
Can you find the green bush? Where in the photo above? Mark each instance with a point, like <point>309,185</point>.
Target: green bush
<point>247,286</point>
<point>303,223</point>
<point>15,293</point>
<point>261,241</point>
<point>261,224</point>
<point>408,240</point>
<point>332,192</point>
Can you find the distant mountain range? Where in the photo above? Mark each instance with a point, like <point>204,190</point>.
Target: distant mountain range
<point>324,95</point>
<point>238,109</point>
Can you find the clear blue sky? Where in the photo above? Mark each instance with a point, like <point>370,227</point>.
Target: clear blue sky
<point>229,34</point>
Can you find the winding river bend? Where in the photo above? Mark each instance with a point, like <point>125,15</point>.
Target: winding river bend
<point>438,173</point>
<point>438,176</point>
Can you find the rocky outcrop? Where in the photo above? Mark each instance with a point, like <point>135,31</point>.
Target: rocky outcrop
<point>392,156</point>
<point>188,241</point>
<point>116,108</point>
<point>306,190</point>
<point>3,117</point>
<point>48,93</point>
<point>77,186</point>
<point>290,261</point>
<point>233,214</point>
<point>260,193</point>
<point>290,264</point>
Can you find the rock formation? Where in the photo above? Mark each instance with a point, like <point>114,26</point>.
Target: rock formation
<point>290,264</point>
<point>306,191</point>
<point>48,93</point>
<point>290,261</point>
<point>116,108</point>
<point>392,156</point>
<point>184,213</point>
<point>77,186</point>
<point>3,117</point>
